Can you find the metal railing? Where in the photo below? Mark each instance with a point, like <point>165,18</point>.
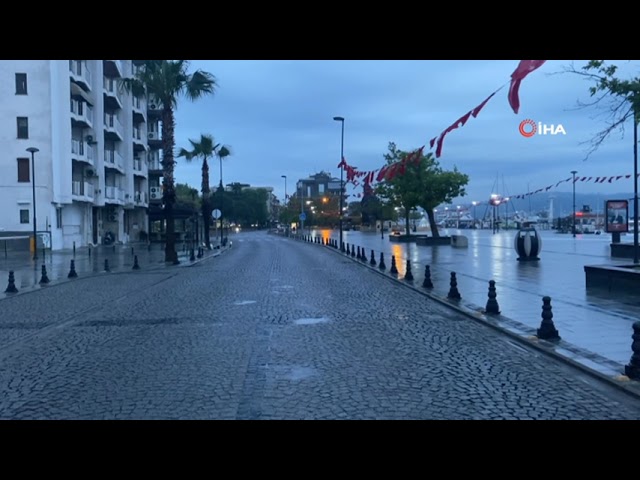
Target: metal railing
<point>79,69</point>
<point>114,158</point>
<point>112,122</point>
<point>82,149</point>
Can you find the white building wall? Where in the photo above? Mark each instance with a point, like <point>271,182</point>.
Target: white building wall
<point>47,106</point>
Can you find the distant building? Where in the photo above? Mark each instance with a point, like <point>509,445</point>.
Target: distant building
<point>318,185</point>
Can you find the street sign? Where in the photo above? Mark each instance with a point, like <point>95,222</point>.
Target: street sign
<point>303,216</point>
<point>216,214</point>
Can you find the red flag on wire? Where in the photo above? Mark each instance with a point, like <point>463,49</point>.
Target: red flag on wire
<point>525,67</point>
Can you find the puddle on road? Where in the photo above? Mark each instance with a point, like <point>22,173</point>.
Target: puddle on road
<point>311,321</point>
<point>296,373</point>
<point>244,302</point>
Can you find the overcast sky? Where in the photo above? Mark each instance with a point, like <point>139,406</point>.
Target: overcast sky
<point>277,117</point>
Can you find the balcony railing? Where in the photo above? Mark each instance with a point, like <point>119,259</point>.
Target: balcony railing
<point>111,157</point>
<point>82,110</point>
<point>112,123</point>
<point>82,150</point>
<point>137,103</point>
<point>82,189</point>
<point>111,86</point>
<point>114,193</point>
<point>137,134</point>
<point>80,71</point>
<point>141,198</point>
<point>137,164</point>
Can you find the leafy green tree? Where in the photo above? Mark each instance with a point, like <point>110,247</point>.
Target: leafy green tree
<point>424,184</point>
<point>187,196</point>
<point>166,81</point>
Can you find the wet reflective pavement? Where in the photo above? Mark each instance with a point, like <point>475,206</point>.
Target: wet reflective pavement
<point>596,324</point>
<point>28,272</point>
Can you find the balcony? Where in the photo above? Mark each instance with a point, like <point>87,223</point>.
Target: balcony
<point>82,191</point>
<point>80,73</point>
<point>154,160</point>
<point>82,113</point>
<point>139,167</point>
<point>138,139</point>
<point>111,95</point>
<point>139,113</point>
<point>114,195</point>
<point>113,68</point>
<point>154,107</point>
<point>82,152</point>
<point>113,127</point>
<point>141,199</point>
<point>113,159</point>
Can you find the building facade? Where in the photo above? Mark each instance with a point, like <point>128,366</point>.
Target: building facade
<point>318,185</point>
<point>98,165</point>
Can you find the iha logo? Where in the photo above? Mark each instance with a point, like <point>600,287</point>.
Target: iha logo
<point>528,128</point>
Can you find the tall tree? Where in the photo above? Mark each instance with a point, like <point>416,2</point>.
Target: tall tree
<point>203,149</point>
<point>167,81</point>
<point>621,98</point>
<point>424,184</point>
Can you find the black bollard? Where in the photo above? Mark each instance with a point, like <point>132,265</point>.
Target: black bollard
<point>149,246</point>
<point>353,251</point>
<point>200,253</point>
<point>633,369</point>
<point>192,257</point>
<point>74,249</point>
<point>132,252</point>
<point>136,266</point>
<point>453,294</point>
<point>394,270</point>
<point>492,303</point>
<point>381,265</point>
<point>44,279</point>
<point>373,262</point>
<point>547,330</point>
<point>106,265</point>
<point>348,250</point>
<point>72,270</point>
<point>408,276</point>
<point>359,254</point>
<point>114,247</point>
<point>11,287</point>
<point>342,247</point>
<point>427,283</point>
<point>90,252</point>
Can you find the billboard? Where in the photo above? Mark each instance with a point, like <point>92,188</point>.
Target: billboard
<point>617,215</point>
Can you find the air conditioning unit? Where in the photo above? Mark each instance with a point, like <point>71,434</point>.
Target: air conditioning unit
<point>153,135</point>
<point>153,106</point>
<point>89,172</point>
<point>155,193</point>
<point>113,217</point>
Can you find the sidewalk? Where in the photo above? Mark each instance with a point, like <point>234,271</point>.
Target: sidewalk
<point>88,261</point>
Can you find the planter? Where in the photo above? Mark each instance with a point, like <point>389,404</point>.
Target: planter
<point>623,278</point>
<point>431,241</point>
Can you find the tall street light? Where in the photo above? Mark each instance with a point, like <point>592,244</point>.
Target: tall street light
<point>635,185</point>
<point>573,172</point>
<point>285,188</point>
<point>33,151</point>
<point>341,120</point>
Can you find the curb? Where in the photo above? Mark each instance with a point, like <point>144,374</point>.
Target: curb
<point>622,383</point>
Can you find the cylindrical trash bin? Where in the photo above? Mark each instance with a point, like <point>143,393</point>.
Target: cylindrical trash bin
<point>528,244</point>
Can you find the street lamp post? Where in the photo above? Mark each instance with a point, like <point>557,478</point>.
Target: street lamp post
<point>33,151</point>
<point>301,208</point>
<point>285,188</point>
<point>635,185</point>
<point>573,172</point>
<point>474,213</point>
<point>341,120</point>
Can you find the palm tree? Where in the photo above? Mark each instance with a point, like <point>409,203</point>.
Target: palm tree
<point>166,81</point>
<point>222,152</point>
<point>203,149</point>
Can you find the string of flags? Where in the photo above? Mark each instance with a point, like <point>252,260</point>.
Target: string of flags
<point>388,172</point>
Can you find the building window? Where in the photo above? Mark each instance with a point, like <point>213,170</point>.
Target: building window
<point>23,127</point>
<point>321,188</point>
<point>24,216</point>
<point>58,217</point>
<point>21,83</point>
<point>23,170</point>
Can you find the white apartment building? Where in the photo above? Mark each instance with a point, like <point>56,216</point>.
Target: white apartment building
<point>98,146</point>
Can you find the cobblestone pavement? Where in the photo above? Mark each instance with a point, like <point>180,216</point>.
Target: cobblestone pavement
<point>272,329</point>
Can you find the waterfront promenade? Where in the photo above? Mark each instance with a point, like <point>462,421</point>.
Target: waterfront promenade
<point>273,329</point>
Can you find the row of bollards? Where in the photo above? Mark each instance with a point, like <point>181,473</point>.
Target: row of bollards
<point>547,330</point>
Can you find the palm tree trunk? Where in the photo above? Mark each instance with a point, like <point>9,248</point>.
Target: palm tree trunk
<point>432,223</point>
<point>169,191</point>
<point>206,219</point>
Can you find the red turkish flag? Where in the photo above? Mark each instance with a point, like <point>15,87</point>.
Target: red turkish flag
<point>525,67</point>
